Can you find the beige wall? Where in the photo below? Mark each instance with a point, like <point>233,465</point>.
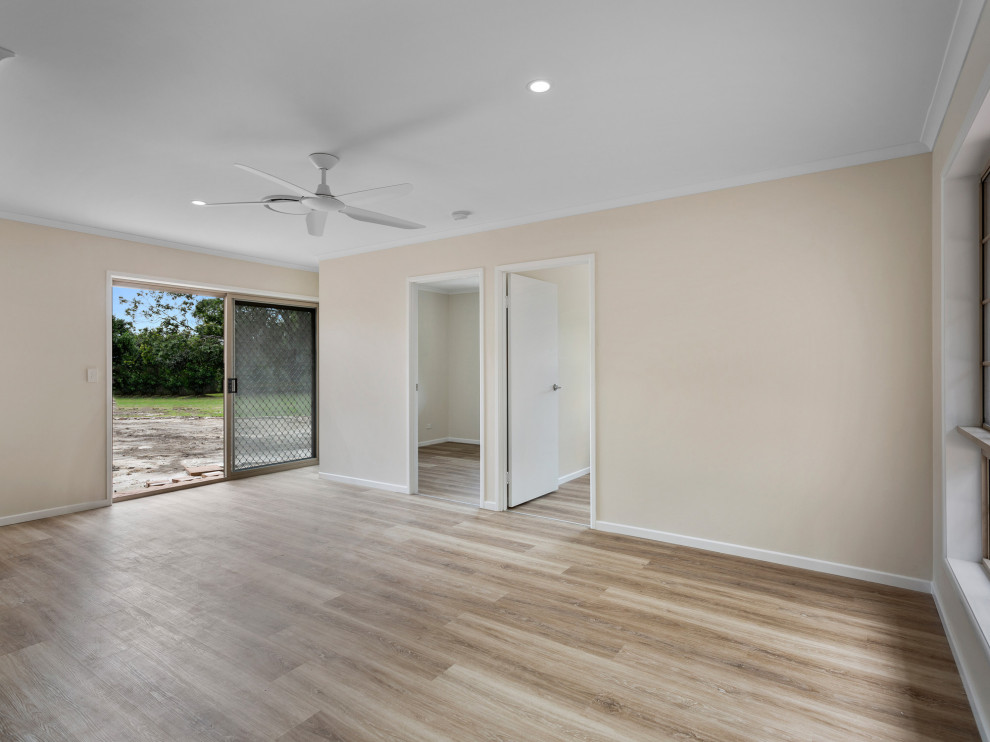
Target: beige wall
<point>433,366</point>
<point>763,361</point>
<point>53,284</point>
<point>573,363</point>
<point>463,379</point>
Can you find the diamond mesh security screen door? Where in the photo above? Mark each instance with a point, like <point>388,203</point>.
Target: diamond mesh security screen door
<point>274,400</point>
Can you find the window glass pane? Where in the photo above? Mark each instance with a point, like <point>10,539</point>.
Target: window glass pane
<point>275,367</point>
<point>986,333</point>
<point>986,395</point>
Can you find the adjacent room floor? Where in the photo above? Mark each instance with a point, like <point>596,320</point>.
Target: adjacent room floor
<point>284,607</point>
<point>451,471</point>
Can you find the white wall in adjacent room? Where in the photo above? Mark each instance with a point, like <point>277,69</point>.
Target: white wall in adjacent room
<point>449,385</point>
<point>464,385</point>
<point>433,366</point>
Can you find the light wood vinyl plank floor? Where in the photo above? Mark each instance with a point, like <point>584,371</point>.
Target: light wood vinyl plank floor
<point>451,471</point>
<point>288,608</point>
<point>571,502</point>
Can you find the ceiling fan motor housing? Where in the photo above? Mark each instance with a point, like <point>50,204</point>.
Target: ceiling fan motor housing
<point>323,160</point>
<point>285,205</point>
<point>322,203</point>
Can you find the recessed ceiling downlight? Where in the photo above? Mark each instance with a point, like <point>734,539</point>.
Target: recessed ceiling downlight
<point>539,86</point>
<point>199,203</point>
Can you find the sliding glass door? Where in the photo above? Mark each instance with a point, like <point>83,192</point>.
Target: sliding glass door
<point>271,385</point>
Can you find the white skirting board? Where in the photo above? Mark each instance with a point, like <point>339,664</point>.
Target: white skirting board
<point>435,441</point>
<point>367,483</point>
<point>775,557</point>
<point>9,520</point>
<point>573,475</point>
<point>962,631</point>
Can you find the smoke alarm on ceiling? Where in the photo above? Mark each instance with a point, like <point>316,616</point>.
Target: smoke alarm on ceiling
<point>4,53</point>
<point>460,215</point>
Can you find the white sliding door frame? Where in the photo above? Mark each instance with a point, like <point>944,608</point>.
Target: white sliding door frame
<point>501,376</point>
<point>230,370</point>
<point>413,285</point>
<point>161,283</point>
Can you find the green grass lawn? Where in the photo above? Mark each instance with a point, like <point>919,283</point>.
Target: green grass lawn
<point>211,405</point>
<point>262,404</point>
<point>207,405</point>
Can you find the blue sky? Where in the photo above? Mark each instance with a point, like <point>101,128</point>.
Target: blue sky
<point>140,322</point>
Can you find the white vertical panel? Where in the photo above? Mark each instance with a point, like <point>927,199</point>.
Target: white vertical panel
<point>532,374</point>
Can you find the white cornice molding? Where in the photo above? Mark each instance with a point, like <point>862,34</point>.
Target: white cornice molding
<point>834,163</point>
<point>963,28</point>
<point>113,234</point>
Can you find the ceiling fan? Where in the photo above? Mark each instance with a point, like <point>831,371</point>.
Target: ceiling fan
<point>315,205</point>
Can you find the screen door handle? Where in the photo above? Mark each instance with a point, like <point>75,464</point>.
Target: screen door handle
<point>232,385</point>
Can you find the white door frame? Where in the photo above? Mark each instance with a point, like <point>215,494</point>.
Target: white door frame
<point>501,391</point>
<point>412,372</point>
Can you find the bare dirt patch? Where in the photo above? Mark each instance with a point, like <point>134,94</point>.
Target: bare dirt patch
<point>148,447</point>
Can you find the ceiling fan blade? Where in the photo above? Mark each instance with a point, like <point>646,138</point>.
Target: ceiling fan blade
<point>315,222</point>
<point>363,215</point>
<point>275,179</point>
<point>238,203</point>
<point>371,195</point>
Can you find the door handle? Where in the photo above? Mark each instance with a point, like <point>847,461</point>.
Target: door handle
<point>556,387</point>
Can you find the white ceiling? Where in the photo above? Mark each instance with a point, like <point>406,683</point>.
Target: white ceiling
<point>463,285</point>
<point>118,113</point>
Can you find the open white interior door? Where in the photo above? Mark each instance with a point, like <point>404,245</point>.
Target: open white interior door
<point>532,388</point>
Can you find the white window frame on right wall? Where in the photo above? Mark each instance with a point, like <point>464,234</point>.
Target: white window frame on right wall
<point>961,583</point>
<point>984,265</point>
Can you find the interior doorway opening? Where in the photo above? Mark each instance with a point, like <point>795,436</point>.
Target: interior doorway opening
<point>445,362</point>
<point>547,414</point>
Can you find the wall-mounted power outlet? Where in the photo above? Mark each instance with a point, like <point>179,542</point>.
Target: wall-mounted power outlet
<point>429,426</point>
<point>92,375</point>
